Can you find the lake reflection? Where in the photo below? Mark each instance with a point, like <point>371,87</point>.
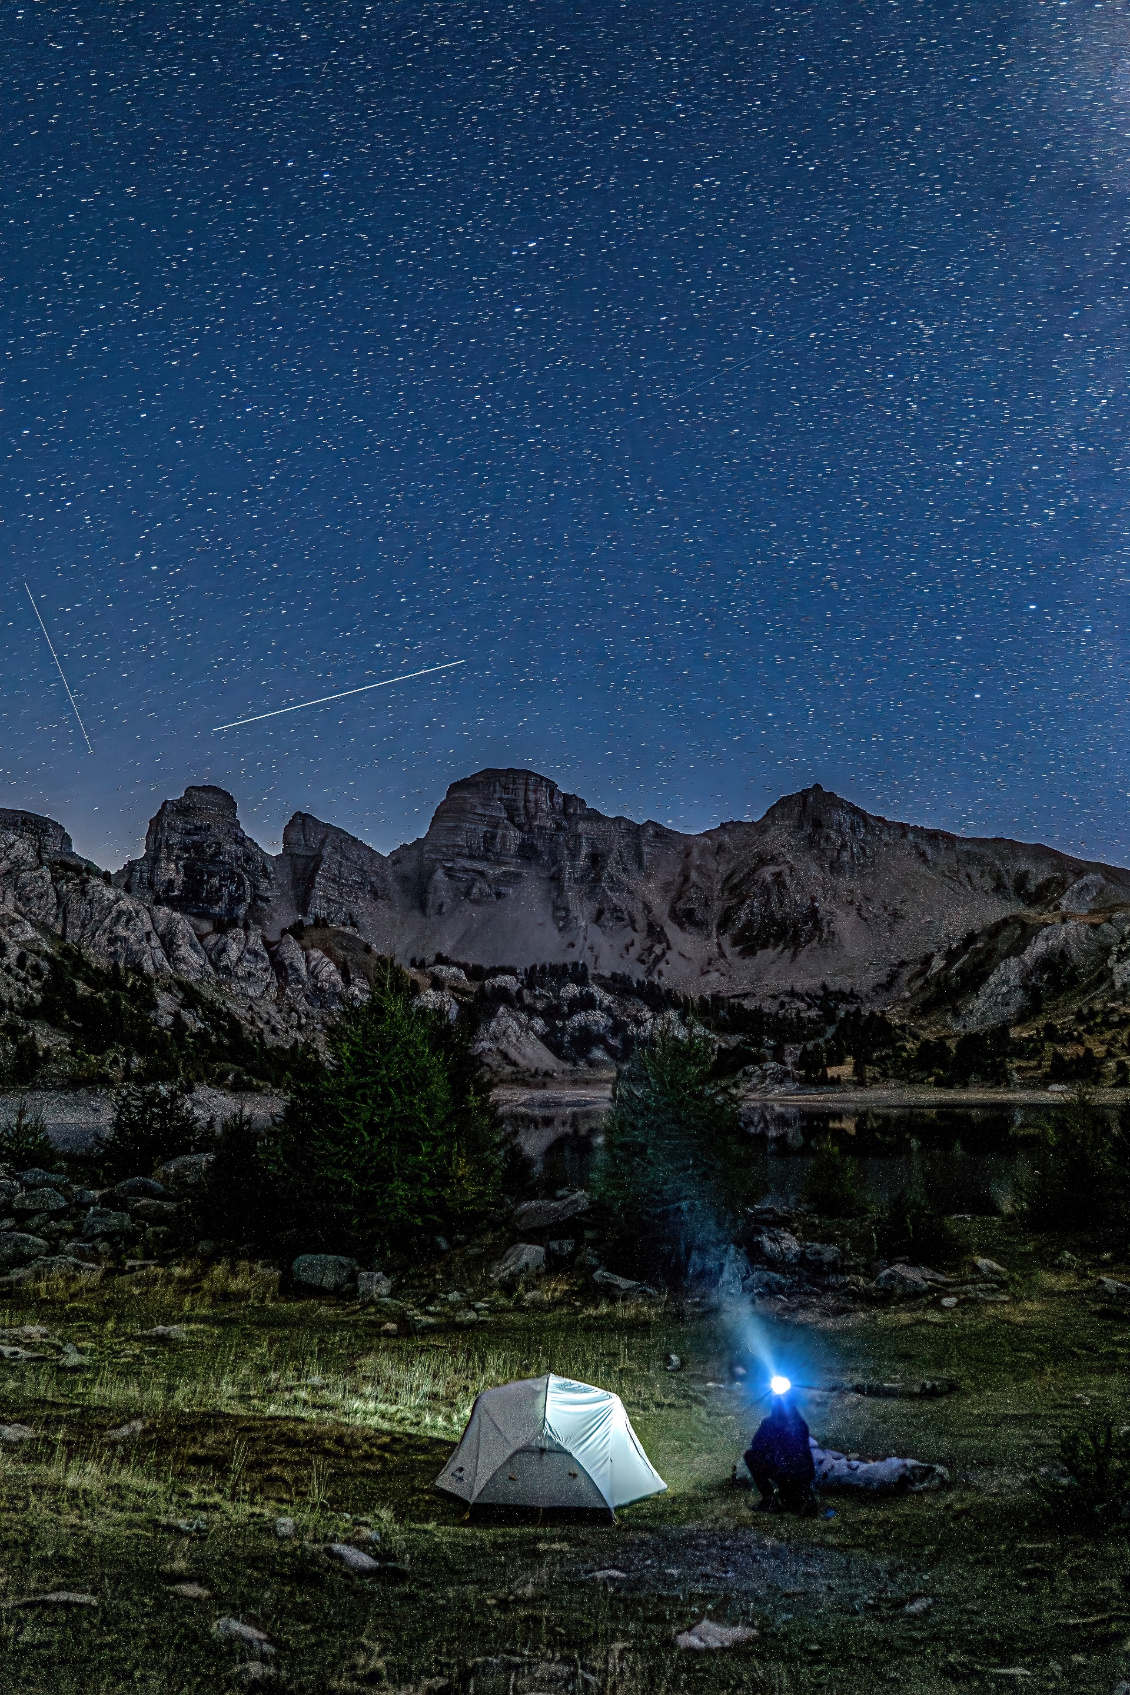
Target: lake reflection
<point>972,1159</point>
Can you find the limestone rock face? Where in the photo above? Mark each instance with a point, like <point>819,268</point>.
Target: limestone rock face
<point>199,861</point>
<point>513,870</point>
<point>327,874</point>
<point>240,958</point>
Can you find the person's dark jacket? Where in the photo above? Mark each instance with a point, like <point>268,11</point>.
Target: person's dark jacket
<point>780,1448</point>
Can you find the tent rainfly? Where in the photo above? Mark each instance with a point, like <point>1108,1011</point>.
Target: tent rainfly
<point>549,1442</point>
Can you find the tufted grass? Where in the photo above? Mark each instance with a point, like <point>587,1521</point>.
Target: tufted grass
<point>274,1406</point>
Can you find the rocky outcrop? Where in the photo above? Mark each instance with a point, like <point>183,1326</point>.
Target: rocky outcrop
<point>199,862</point>
<point>515,870</point>
<point>326,875</point>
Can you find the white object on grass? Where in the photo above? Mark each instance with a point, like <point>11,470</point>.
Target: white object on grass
<point>549,1442</point>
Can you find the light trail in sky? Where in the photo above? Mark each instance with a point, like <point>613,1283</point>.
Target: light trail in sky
<point>322,699</point>
<point>59,668</point>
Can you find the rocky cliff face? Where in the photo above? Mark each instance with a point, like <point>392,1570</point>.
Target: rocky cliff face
<point>514,870</point>
<point>199,862</point>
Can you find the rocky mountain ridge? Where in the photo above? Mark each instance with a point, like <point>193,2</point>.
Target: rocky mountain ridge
<point>513,870</point>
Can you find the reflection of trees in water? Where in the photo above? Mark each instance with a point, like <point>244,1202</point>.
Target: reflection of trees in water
<point>968,1160</point>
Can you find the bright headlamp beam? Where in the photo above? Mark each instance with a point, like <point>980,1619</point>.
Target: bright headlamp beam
<point>780,1385</point>
<point>298,706</point>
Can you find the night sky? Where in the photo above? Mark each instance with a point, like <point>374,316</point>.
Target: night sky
<point>740,389</point>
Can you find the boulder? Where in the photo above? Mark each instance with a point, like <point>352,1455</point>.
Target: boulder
<point>623,1287</point>
<point>186,1173</point>
<point>18,1249</point>
<point>154,1212</point>
<point>333,1274</point>
<point>910,1280</point>
<point>822,1255</point>
<point>38,1201</point>
<point>373,1286</point>
<point>101,1222</point>
<point>140,1188</point>
<point>776,1247</point>
<point>546,1215</point>
<point>524,1259</point>
<point>35,1178</point>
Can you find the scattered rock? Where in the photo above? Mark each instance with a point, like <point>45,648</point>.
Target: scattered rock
<point>373,1286</point>
<point>333,1274</point>
<point>708,1634</point>
<point>234,1630</point>
<point>141,1188</point>
<point>17,1248</point>
<point>14,1434</point>
<point>127,1432</point>
<point>38,1201</point>
<point>524,1259</point>
<point>186,1173</point>
<point>165,1333</point>
<point>16,1356</point>
<point>917,1608</point>
<point>184,1526</point>
<point>777,1247</point>
<point>623,1286</point>
<point>609,1574</point>
<point>101,1222</point>
<point>673,1362</point>
<point>823,1255</point>
<point>910,1280</point>
<point>285,1529</point>
<point>948,1301</point>
<point>56,1598</point>
<point>34,1178</point>
<point>364,1565</point>
<point>191,1591</point>
<point>989,1268</point>
<point>544,1215</point>
<point>154,1212</point>
<point>1111,1286</point>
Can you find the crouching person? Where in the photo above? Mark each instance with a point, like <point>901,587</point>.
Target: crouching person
<point>780,1461</point>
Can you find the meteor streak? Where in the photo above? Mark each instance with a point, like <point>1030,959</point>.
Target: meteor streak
<point>298,706</point>
<point>59,668</point>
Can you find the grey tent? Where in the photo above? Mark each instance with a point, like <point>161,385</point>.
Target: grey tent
<point>549,1442</point>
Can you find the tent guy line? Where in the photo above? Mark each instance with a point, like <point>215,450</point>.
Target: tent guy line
<point>59,668</point>
<point>387,682</point>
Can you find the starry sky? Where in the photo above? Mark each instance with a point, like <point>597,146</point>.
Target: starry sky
<point>739,389</point>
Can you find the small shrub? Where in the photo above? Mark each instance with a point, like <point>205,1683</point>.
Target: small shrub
<point>832,1184</point>
<point>152,1123</point>
<point>24,1140</point>
<point>1095,1493</point>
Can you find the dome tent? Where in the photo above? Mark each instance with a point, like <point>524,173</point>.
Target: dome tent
<point>549,1442</point>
